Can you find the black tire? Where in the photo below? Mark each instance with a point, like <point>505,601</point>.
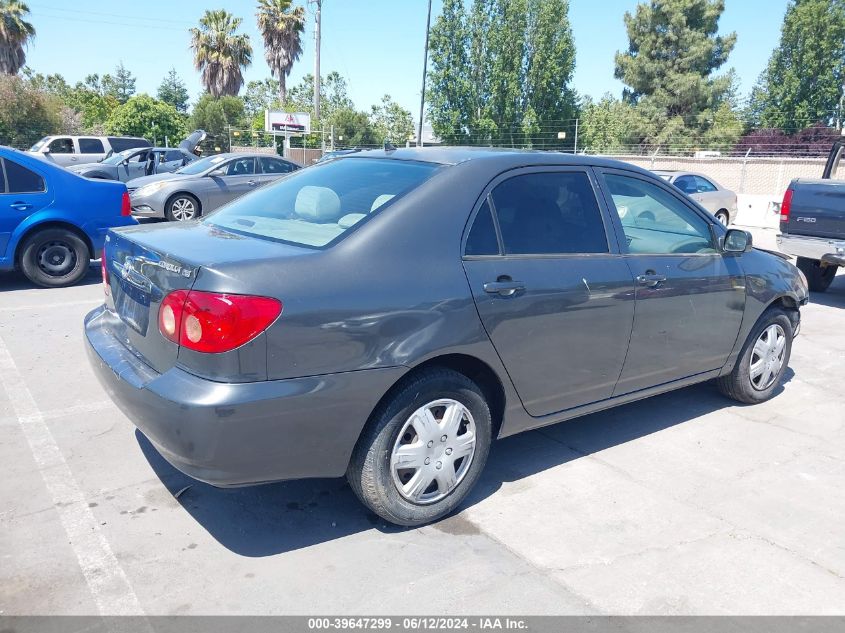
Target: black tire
<point>369,471</point>
<point>54,258</point>
<point>723,216</point>
<point>818,278</point>
<point>738,385</point>
<point>172,213</point>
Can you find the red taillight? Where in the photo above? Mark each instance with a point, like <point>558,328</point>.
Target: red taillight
<point>105,272</point>
<point>212,323</point>
<point>786,205</point>
<point>125,205</point>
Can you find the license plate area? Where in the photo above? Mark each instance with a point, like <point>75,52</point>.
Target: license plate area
<point>132,305</point>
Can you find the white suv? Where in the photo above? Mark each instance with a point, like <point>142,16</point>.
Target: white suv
<point>68,150</point>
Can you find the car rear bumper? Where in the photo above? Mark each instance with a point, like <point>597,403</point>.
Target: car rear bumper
<point>822,249</point>
<point>240,433</point>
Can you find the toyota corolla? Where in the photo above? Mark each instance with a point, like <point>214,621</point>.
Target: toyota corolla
<point>386,315</point>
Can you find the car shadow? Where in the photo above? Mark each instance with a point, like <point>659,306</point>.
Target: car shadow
<point>834,296</point>
<point>276,518</point>
<point>16,281</point>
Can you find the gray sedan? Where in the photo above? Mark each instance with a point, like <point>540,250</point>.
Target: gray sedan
<point>204,185</point>
<point>705,191</point>
<point>387,314</point>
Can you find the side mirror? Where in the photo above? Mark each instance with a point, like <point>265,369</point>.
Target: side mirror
<point>46,150</point>
<point>737,241</point>
<point>217,173</point>
<point>125,162</point>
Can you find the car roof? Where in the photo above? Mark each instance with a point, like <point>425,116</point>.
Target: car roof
<point>503,157</point>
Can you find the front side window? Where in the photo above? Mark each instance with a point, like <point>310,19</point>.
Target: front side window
<point>686,184</point>
<point>275,166</point>
<point>22,180</point>
<point>549,213</point>
<point>318,205</point>
<point>91,146</point>
<point>241,167</point>
<point>61,146</point>
<point>655,221</point>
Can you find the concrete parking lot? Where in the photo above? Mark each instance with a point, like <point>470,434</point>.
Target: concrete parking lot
<point>681,504</point>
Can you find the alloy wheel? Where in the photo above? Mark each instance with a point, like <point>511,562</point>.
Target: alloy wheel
<point>183,209</point>
<point>433,452</point>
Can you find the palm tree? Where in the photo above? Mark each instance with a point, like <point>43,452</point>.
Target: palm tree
<point>15,33</point>
<point>282,29</point>
<point>220,53</point>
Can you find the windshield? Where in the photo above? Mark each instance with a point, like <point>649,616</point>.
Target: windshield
<point>199,166</point>
<point>39,144</point>
<point>116,159</point>
<point>316,206</point>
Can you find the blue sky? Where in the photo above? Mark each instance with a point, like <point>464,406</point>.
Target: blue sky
<point>376,44</point>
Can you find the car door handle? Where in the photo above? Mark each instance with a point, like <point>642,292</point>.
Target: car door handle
<point>251,183</point>
<point>20,206</point>
<point>504,287</point>
<point>650,279</point>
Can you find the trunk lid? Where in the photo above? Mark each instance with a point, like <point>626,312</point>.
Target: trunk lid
<point>147,262</point>
<point>817,209</point>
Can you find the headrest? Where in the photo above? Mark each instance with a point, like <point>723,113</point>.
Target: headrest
<point>317,204</point>
<point>349,219</point>
<point>381,200</point>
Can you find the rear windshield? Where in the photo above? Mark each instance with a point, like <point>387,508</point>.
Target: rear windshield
<point>316,206</point>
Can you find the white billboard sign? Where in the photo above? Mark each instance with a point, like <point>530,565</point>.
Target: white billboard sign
<point>287,122</point>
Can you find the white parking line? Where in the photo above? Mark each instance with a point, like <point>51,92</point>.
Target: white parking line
<point>50,306</point>
<point>106,579</point>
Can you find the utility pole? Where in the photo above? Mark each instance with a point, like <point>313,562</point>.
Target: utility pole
<point>425,69</point>
<point>317,18</point>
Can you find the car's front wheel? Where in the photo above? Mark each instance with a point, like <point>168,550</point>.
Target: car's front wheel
<point>423,449</point>
<point>182,207</point>
<point>54,257</point>
<point>762,361</point>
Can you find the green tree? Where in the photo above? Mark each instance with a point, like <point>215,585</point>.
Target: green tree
<point>121,85</point>
<point>261,95</point>
<point>26,114</point>
<point>281,27</point>
<point>15,34</point>
<point>216,116</point>
<point>172,90</point>
<point>220,52</point>
<point>802,83</point>
<point>391,121</point>
<point>668,68</point>
<point>501,72</point>
<point>609,126</point>
<point>352,128</point>
<point>144,116</point>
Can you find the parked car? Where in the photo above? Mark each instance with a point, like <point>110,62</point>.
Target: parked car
<point>387,314</point>
<point>53,222</point>
<point>812,223</point>
<point>204,185</point>
<point>135,163</point>
<point>337,153</point>
<point>705,191</point>
<point>66,150</point>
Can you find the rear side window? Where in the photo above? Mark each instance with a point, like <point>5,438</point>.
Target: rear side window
<point>318,205</point>
<point>482,238</point>
<point>122,143</point>
<point>91,146</point>
<point>549,213</point>
<point>173,155</point>
<point>22,180</point>
<point>703,185</point>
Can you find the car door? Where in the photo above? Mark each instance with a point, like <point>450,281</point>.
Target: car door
<point>690,296</point>
<point>135,166</point>
<point>238,178</point>
<point>91,150</point>
<point>62,151</point>
<point>553,292</point>
<point>24,192</point>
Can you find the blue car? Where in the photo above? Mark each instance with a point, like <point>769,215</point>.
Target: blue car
<point>53,222</point>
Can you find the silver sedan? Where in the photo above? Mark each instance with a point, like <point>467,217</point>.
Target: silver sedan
<point>204,185</point>
<point>705,191</point>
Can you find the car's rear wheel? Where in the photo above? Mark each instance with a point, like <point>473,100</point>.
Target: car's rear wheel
<point>423,449</point>
<point>54,257</point>
<point>182,207</point>
<point>762,361</point>
<point>723,217</point>
<point>818,278</point>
